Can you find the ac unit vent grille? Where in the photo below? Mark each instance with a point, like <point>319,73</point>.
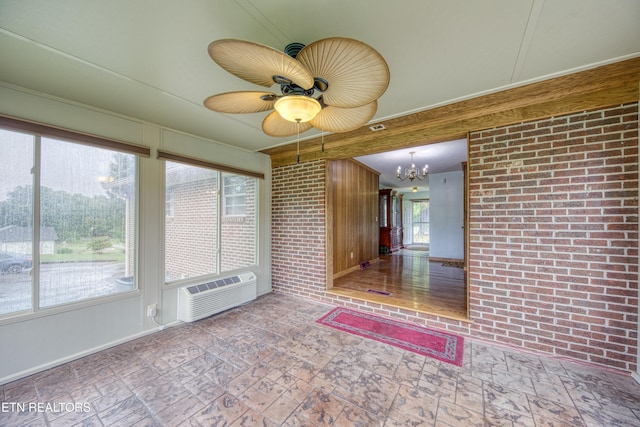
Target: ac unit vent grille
<point>213,285</point>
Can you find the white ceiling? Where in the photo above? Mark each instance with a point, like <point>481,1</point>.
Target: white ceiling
<point>442,157</point>
<point>148,58</point>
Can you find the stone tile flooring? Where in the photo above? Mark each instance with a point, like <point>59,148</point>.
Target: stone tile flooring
<point>268,363</point>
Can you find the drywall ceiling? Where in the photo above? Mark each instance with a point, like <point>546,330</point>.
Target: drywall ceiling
<point>148,59</point>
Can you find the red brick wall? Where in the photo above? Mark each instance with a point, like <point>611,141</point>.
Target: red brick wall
<point>554,235</point>
<point>553,265</point>
<point>298,229</point>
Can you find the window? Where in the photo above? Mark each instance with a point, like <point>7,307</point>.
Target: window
<point>168,202</point>
<point>191,243</point>
<point>16,221</point>
<point>212,224</point>
<point>83,198</point>
<point>420,222</point>
<point>238,229</point>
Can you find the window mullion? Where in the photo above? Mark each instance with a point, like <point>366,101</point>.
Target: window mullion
<point>35,248</point>
<point>219,208</point>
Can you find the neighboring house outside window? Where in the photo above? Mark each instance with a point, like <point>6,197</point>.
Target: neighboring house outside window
<point>20,240</point>
<point>234,195</point>
<point>210,221</point>
<point>239,227</point>
<point>169,202</point>
<point>191,233</point>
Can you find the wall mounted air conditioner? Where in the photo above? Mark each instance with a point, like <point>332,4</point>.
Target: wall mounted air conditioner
<point>204,299</point>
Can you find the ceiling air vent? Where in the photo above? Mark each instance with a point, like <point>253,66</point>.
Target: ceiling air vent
<point>377,127</point>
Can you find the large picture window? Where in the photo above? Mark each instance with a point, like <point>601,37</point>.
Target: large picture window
<point>82,198</point>
<point>210,227</point>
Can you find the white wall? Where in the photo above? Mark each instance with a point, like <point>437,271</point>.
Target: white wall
<point>38,341</point>
<point>446,194</point>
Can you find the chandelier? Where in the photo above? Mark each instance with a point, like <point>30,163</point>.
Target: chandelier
<point>412,173</point>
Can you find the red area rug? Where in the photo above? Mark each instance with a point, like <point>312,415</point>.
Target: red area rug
<point>439,345</point>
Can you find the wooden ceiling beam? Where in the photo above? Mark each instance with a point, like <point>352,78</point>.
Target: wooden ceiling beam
<point>612,84</point>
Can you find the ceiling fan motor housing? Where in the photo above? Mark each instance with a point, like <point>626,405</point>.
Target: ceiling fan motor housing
<point>293,89</point>
<point>292,49</point>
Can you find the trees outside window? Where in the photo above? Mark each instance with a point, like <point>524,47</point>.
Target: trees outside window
<point>420,222</point>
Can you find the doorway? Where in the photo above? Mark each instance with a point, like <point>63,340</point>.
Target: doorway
<point>428,274</point>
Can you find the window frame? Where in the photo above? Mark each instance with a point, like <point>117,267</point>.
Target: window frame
<point>221,170</point>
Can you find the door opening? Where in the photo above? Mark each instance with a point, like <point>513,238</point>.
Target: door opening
<point>420,222</point>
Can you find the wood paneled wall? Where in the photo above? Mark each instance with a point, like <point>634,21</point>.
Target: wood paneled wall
<point>352,211</point>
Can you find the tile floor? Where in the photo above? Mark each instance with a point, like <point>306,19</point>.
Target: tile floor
<point>268,363</point>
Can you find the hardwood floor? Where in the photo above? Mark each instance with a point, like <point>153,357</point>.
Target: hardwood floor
<point>408,279</point>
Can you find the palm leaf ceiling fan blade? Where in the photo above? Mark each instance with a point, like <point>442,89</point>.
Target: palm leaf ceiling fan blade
<point>257,63</point>
<point>335,119</point>
<point>241,102</point>
<point>357,74</point>
<point>275,125</point>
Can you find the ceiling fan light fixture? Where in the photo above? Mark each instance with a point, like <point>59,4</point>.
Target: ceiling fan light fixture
<point>297,108</point>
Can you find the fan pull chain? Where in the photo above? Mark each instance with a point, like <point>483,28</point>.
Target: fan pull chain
<point>322,138</point>
<point>298,143</point>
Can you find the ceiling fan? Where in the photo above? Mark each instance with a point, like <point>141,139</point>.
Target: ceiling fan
<point>332,84</point>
